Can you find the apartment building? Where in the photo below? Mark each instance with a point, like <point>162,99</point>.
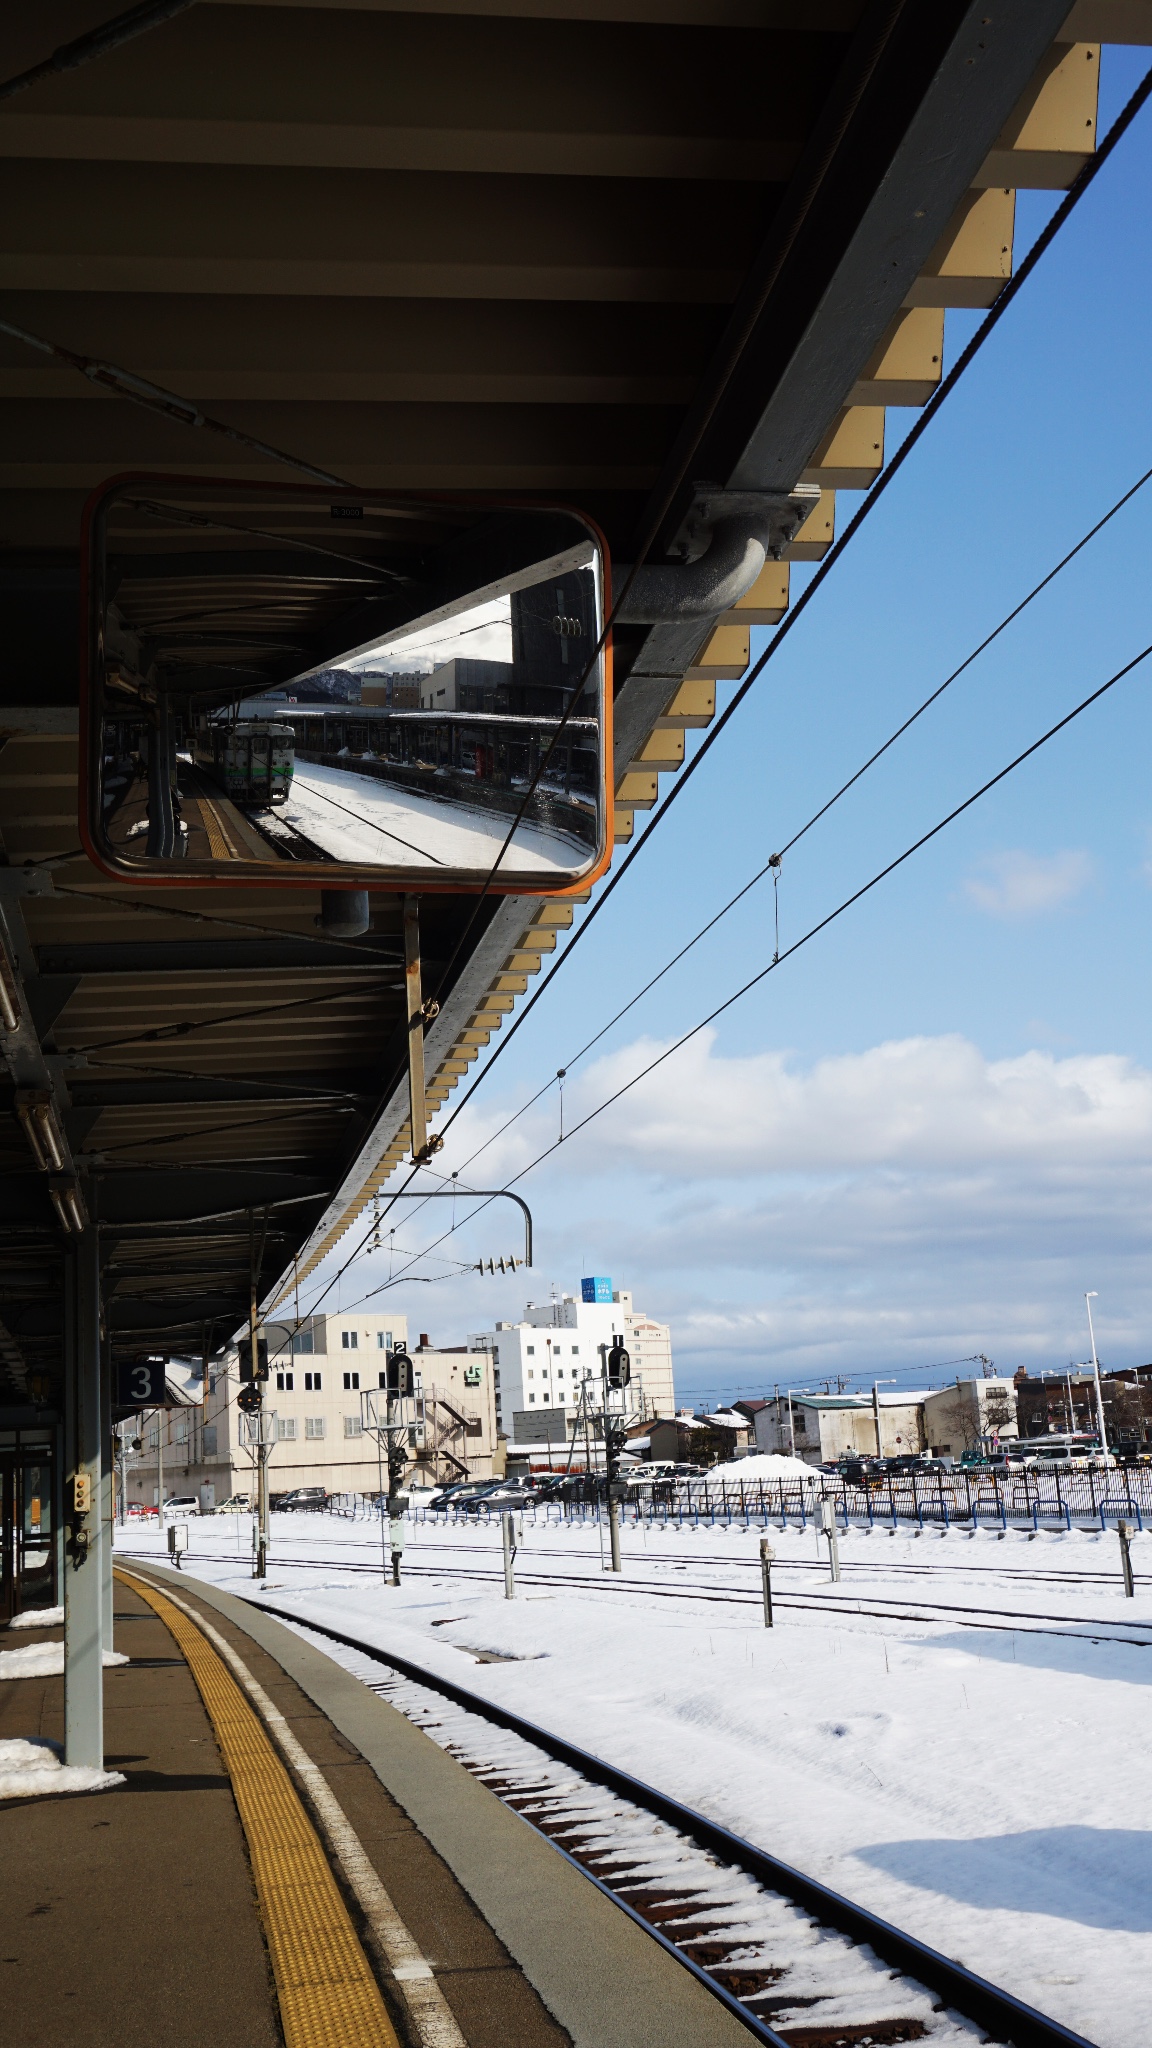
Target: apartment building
<point>541,1362</point>
<point>315,1379</point>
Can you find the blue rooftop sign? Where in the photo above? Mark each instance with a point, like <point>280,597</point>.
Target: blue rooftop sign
<point>597,1289</point>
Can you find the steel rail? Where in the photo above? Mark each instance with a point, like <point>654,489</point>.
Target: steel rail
<point>1004,2018</point>
<point>1079,1629</point>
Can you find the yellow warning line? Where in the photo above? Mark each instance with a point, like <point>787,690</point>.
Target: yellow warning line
<point>328,1995</point>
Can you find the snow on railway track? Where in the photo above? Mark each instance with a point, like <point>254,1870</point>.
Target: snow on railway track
<point>801,1966</point>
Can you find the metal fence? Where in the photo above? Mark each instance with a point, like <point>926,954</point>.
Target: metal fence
<point>1030,1498</point>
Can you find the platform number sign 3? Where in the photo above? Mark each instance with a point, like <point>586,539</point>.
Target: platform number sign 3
<point>140,1384</point>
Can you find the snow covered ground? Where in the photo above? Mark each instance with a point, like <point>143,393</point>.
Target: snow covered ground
<point>356,817</point>
<point>955,1735</point>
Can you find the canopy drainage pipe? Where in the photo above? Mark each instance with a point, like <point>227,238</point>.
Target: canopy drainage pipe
<point>728,538</point>
<point>344,913</point>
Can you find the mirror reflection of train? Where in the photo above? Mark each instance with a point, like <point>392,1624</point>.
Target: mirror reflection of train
<point>251,761</point>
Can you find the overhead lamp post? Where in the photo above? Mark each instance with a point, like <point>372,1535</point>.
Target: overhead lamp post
<point>1089,1298</point>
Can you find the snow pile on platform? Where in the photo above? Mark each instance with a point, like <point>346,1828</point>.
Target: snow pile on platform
<point>39,1617</point>
<point>29,1770</point>
<point>766,1465</point>
<point>43,1660</point>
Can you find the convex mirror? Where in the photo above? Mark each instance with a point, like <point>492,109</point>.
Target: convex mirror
<point>286,684</point>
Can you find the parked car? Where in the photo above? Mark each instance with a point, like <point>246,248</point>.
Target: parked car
<point>182,1504</point>
<point>236,1504</point>
<point>459,1491</point>
<point>303,1497</point>
<point>502,1498</point>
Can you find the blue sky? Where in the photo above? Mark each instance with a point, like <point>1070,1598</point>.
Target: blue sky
<point>928,1133</point>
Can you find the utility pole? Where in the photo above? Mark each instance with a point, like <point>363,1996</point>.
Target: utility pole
<point>160,1413</point>
<point>1088,1300</point>
<point>876,1386</point>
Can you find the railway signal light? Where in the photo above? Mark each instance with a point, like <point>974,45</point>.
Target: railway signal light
<point>248,1399</point>
<point>619,1365</point>
<point>398,1378</point>
<point>261,1372</point>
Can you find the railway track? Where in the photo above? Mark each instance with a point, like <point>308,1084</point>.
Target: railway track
<point>800,1965</point>
<point>1074,1628</point>
<point>288,840</point>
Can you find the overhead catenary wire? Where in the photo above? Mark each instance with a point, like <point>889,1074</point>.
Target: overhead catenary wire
<point>1076,191</point>
<point>847,904</point>
<point>772,865</point>
<point>98,42</point>
<point>797,206</point>
<point>778,961</point>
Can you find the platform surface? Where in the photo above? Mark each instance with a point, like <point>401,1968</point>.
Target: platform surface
<point>136,1907</point>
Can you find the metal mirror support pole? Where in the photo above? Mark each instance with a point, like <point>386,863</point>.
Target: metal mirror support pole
<point>83,1591</point>
<point>509,1554</point>
<point>262,1450</point>
<point>416,1095</point>
<point>107,1484</point>
<point>161,843</point>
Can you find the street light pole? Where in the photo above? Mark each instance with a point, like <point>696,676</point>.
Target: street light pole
<point>1088,1300</point>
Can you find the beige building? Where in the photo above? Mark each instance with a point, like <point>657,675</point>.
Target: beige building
<point>315,1379</point>
<point>958,1417</point>
<point>945,1420</point>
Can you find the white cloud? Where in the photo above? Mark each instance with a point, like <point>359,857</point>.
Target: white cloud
<point>888,1209</point>
<point>910,1103</point>
<point>1017,884</point>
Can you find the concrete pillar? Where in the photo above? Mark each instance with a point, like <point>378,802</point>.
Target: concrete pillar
<point>84,1548</point>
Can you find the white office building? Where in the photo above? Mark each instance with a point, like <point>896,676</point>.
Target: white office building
<point>540,1362</point>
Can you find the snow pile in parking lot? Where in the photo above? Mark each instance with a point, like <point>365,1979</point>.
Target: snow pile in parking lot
<point>773,1465</point>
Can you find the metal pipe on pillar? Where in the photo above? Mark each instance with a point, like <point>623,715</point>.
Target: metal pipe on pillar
<point>416,1090</point>
<point>83,1574</point>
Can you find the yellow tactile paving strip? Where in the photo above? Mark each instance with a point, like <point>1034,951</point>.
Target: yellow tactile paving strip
<point>328,1995</point>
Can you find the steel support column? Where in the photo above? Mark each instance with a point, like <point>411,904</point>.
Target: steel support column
<point>107,1487</point>
<point>83,1589</point>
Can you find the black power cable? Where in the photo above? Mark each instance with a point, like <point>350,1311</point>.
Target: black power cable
<point>778,961</point>
<point>1043,242</point>
<point>840,909</point>
<point>772,865</point>
<point>123,28</point>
